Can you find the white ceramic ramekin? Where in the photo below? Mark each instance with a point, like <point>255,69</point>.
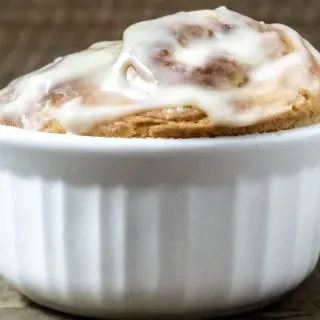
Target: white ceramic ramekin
<point>118,227</point>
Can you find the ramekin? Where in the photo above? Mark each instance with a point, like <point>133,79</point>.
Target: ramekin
<point>124,227</point>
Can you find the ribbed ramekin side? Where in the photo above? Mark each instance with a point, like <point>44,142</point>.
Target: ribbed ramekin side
<point>100,248</point>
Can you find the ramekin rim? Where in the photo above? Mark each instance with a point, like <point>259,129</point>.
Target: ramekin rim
<point>67,142</point>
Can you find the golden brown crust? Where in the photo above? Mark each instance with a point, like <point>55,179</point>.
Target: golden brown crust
<point>191,122</point>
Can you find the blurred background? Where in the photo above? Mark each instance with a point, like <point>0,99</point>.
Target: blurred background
<point>34,32</point>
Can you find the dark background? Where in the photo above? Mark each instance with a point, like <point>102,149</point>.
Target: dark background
<point>33,32</point>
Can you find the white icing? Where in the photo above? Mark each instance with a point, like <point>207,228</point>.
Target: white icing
<point>130,70</point>
<point>243,44</point>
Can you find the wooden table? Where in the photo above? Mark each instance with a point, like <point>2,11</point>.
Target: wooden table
<point>302,304</point>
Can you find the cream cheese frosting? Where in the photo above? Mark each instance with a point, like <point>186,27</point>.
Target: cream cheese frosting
<point>237,70</point>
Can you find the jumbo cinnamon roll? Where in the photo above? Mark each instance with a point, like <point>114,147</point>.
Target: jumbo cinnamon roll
<point>192,74</point>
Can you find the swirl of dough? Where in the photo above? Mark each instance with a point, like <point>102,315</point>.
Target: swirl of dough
<point>216,49</point>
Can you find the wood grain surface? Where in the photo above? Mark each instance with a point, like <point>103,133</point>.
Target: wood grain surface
<point>302,304</point>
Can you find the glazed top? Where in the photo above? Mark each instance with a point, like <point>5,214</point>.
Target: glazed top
<point>237,70</point>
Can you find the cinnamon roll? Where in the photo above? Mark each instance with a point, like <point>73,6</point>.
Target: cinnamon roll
<point>204,73</point>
